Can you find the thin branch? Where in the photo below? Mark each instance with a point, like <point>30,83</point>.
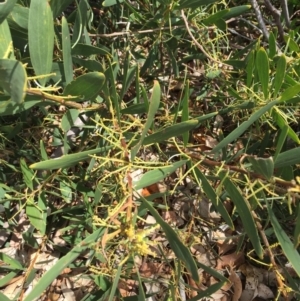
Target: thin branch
<point>260,19</point>
<point>285,12</point>
<point>276,15</point>
<point>195,41</point>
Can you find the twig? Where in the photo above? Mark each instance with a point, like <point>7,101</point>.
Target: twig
<point>195,41</point>
<point>260,19</point>
<point>285,12</point>
<point>63,101</point>
<point>276,15</point>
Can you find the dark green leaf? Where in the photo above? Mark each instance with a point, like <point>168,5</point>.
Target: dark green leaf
<point>288,158</point>
<point>280,73</point>
<point>180,250</point>
<point>153,107</point>
<point>171,131</point>
<point>236,11</point>
<point>47,278</point>
<point>243,209</point>
<point>288,248</point>
<point>13,79</point>
<point>194,3</point>
<point>262,66</point>
<point>211,194</point>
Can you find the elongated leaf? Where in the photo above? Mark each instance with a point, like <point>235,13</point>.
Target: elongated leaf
<point>115,284</point>
<point>280,73</point>
<point>206,117</point>
<point>5,8</point>
<point>154,176</point>
<point>281,122</point>
<point>6,46</point>
<point>107,3</point>
<point>69,119</point>
<point>13,79</point>
<point>41,37</point>
<point>215,17</point>
<point>243,209</point>
<point>272,45</point>
<point>171,131</point>
<point>19,16</point>
<point>244,126</point>
<point>185,111</point>
<point>67,160</point>
<point>262,66</point>
<point>27,174</point>
<point>211,194</point>
<point>66,45</point>
<point>138,108</point>
<point>297,229</point>
<point>292,44</point>
<point>61,264</point>
<point>236,11</point>
<point>194,3</point>
<point>290,93</point>
<point>180,250</point>
<point>153,107</point>
<point>288,158</point>
<point>287,246</point>
<point>8,108</point>
<point>208,292</point>
<point>6,279</point>
<point>87,50</point>
<point>281,140</point>
<point>86,86</point>
<point>11,262</point>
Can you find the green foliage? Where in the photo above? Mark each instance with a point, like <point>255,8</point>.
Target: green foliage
<point>92,92</point>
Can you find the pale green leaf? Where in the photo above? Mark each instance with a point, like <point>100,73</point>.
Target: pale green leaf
<point>66,46</point>
<point>156,175</point>
<point>67,160</point>
<point>5,8</point>
<point>287,246</point>
<point>41,37</point>
<point>180,250</point>
<point>13,79</point>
